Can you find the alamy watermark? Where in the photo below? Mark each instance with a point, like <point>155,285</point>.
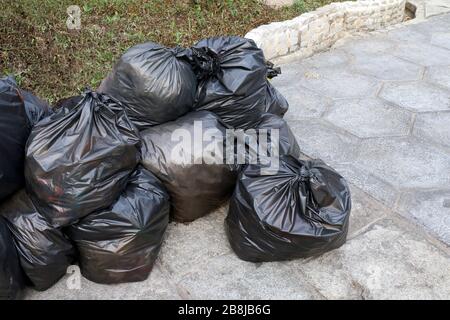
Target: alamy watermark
<point>73,21</point>
<point>236,146</point>
<point>73,281</point>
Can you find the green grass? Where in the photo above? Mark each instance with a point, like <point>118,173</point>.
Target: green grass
<point>55,62</point>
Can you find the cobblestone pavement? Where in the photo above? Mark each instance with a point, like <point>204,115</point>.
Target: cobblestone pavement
<point>376,108</point>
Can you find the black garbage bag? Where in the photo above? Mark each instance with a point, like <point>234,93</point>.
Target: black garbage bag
<point>287,142</point>
<point>68,103</point>
<point>301,211</point>
<point>36,108</point>
<point>44,252</point>
<point>12,280</point>
<point>197,184</point>
<point>155,83</point>
<point>121,243</point>
<point>14,131</point>
<point>79,159</point>
<point>276,103</point>
<point>232,75</point>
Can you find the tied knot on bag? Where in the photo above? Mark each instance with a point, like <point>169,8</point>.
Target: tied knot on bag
<point>272,71</point>
<point>98,101</point>
<point>94,95</point>
<point>304,174</point>
<point>205,61</point>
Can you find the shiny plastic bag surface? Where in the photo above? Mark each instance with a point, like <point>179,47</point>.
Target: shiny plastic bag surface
<point>14,130</point>
<point>276,103</point>
<point>155,83</point>
<point>78,160</point>
<point>288,144</point>
<point>20,110</point>
<point>12,281</point>
<point>44,252</point>
<point>120,244</point>
<point>36,108</point>
<point>232,75</point>
<point>301,211</point>
<point>196,182</point>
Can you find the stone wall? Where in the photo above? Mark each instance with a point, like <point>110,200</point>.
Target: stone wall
<point>317,30</point>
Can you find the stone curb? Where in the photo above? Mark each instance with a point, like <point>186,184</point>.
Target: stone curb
<point>424,9</point>
<point>320,29</point>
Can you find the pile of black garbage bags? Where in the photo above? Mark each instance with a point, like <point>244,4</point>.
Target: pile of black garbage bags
<point>96,179</point>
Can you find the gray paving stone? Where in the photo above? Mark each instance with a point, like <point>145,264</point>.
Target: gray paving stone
<point>187,245</point>
<point>290,73</point>
<point>376,187</point>
<point>439,75</point>
<point>433,25</point>
<point>386,262</point>
<point>369,118</point>
<point>442,20</point>
<point>303,103</point>
<point>430,209</point>
<point>441,39</point>
<point>371,45</point>
<point>318,140</point>
<point>421,53</point>
<point>405,162</point>
<point>387,67</point>
<point>365,210</point>
<point>338,83</point>
<point>417,96</point>
<point>155,287</point>
<point>227,277</point>
<point>434,126</point>
<point>328,59</point>
<point>408,35</point>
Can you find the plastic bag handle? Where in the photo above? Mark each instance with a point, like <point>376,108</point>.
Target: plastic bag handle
<point>272,71</point>
<point>205,62</point>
